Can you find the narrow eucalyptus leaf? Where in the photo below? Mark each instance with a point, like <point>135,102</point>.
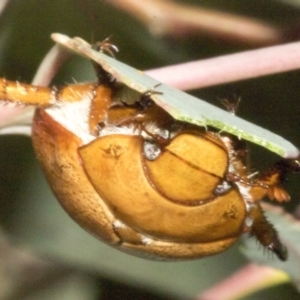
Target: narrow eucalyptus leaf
<point>180,105</point>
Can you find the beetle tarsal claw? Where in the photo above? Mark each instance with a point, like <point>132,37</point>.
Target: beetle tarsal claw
<point>106,46</point>
<point>279,249</point>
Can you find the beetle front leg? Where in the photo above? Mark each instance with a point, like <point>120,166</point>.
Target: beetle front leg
<point>266,234</point>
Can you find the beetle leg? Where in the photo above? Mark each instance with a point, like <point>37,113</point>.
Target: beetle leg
<point>266,234</point>
<point>159,139</point>
<point>272,180</point>
<point>103,76</point>
<point>145,100</point>
<point>101,102</point>
<point>26,94</point>
<point>138,122</point>
<point>106,46</point>
<point>232,177</point>
<point>268,183</point>
<point>143,116</point>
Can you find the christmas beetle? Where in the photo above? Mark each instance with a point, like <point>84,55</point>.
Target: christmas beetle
<point>142,181</point>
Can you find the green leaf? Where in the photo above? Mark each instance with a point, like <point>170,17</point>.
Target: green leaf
<point>180,105</point>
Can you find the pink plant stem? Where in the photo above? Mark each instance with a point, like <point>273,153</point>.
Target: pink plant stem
<point>164,17</point>
<point>3,4</point>
<point>230,68</point>
<point>50,65</point>
<point>247,280</point>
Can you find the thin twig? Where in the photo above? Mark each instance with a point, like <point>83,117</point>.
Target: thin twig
<point>247,280</point>
<point>230,68</point>
<point>3,4</point>
<point>50,65</point>
<point>165,17</point>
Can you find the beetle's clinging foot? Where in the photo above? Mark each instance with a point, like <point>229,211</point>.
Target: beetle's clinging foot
<point>106,46</point>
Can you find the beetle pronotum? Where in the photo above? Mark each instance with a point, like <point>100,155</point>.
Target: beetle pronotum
<point>140,180</point>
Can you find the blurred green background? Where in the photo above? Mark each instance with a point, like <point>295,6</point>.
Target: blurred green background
<point>74,264</point>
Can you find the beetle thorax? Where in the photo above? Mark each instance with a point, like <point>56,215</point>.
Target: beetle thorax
<point>74,116</point>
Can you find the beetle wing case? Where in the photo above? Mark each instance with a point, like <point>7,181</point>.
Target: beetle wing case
<point>57,150</point>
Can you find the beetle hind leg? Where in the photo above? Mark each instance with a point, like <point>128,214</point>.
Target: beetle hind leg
<point>266,234</point>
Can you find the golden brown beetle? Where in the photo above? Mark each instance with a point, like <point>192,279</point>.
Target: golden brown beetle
<point>141,181</point>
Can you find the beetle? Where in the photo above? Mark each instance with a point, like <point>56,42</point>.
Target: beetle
<point>141,181</point>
